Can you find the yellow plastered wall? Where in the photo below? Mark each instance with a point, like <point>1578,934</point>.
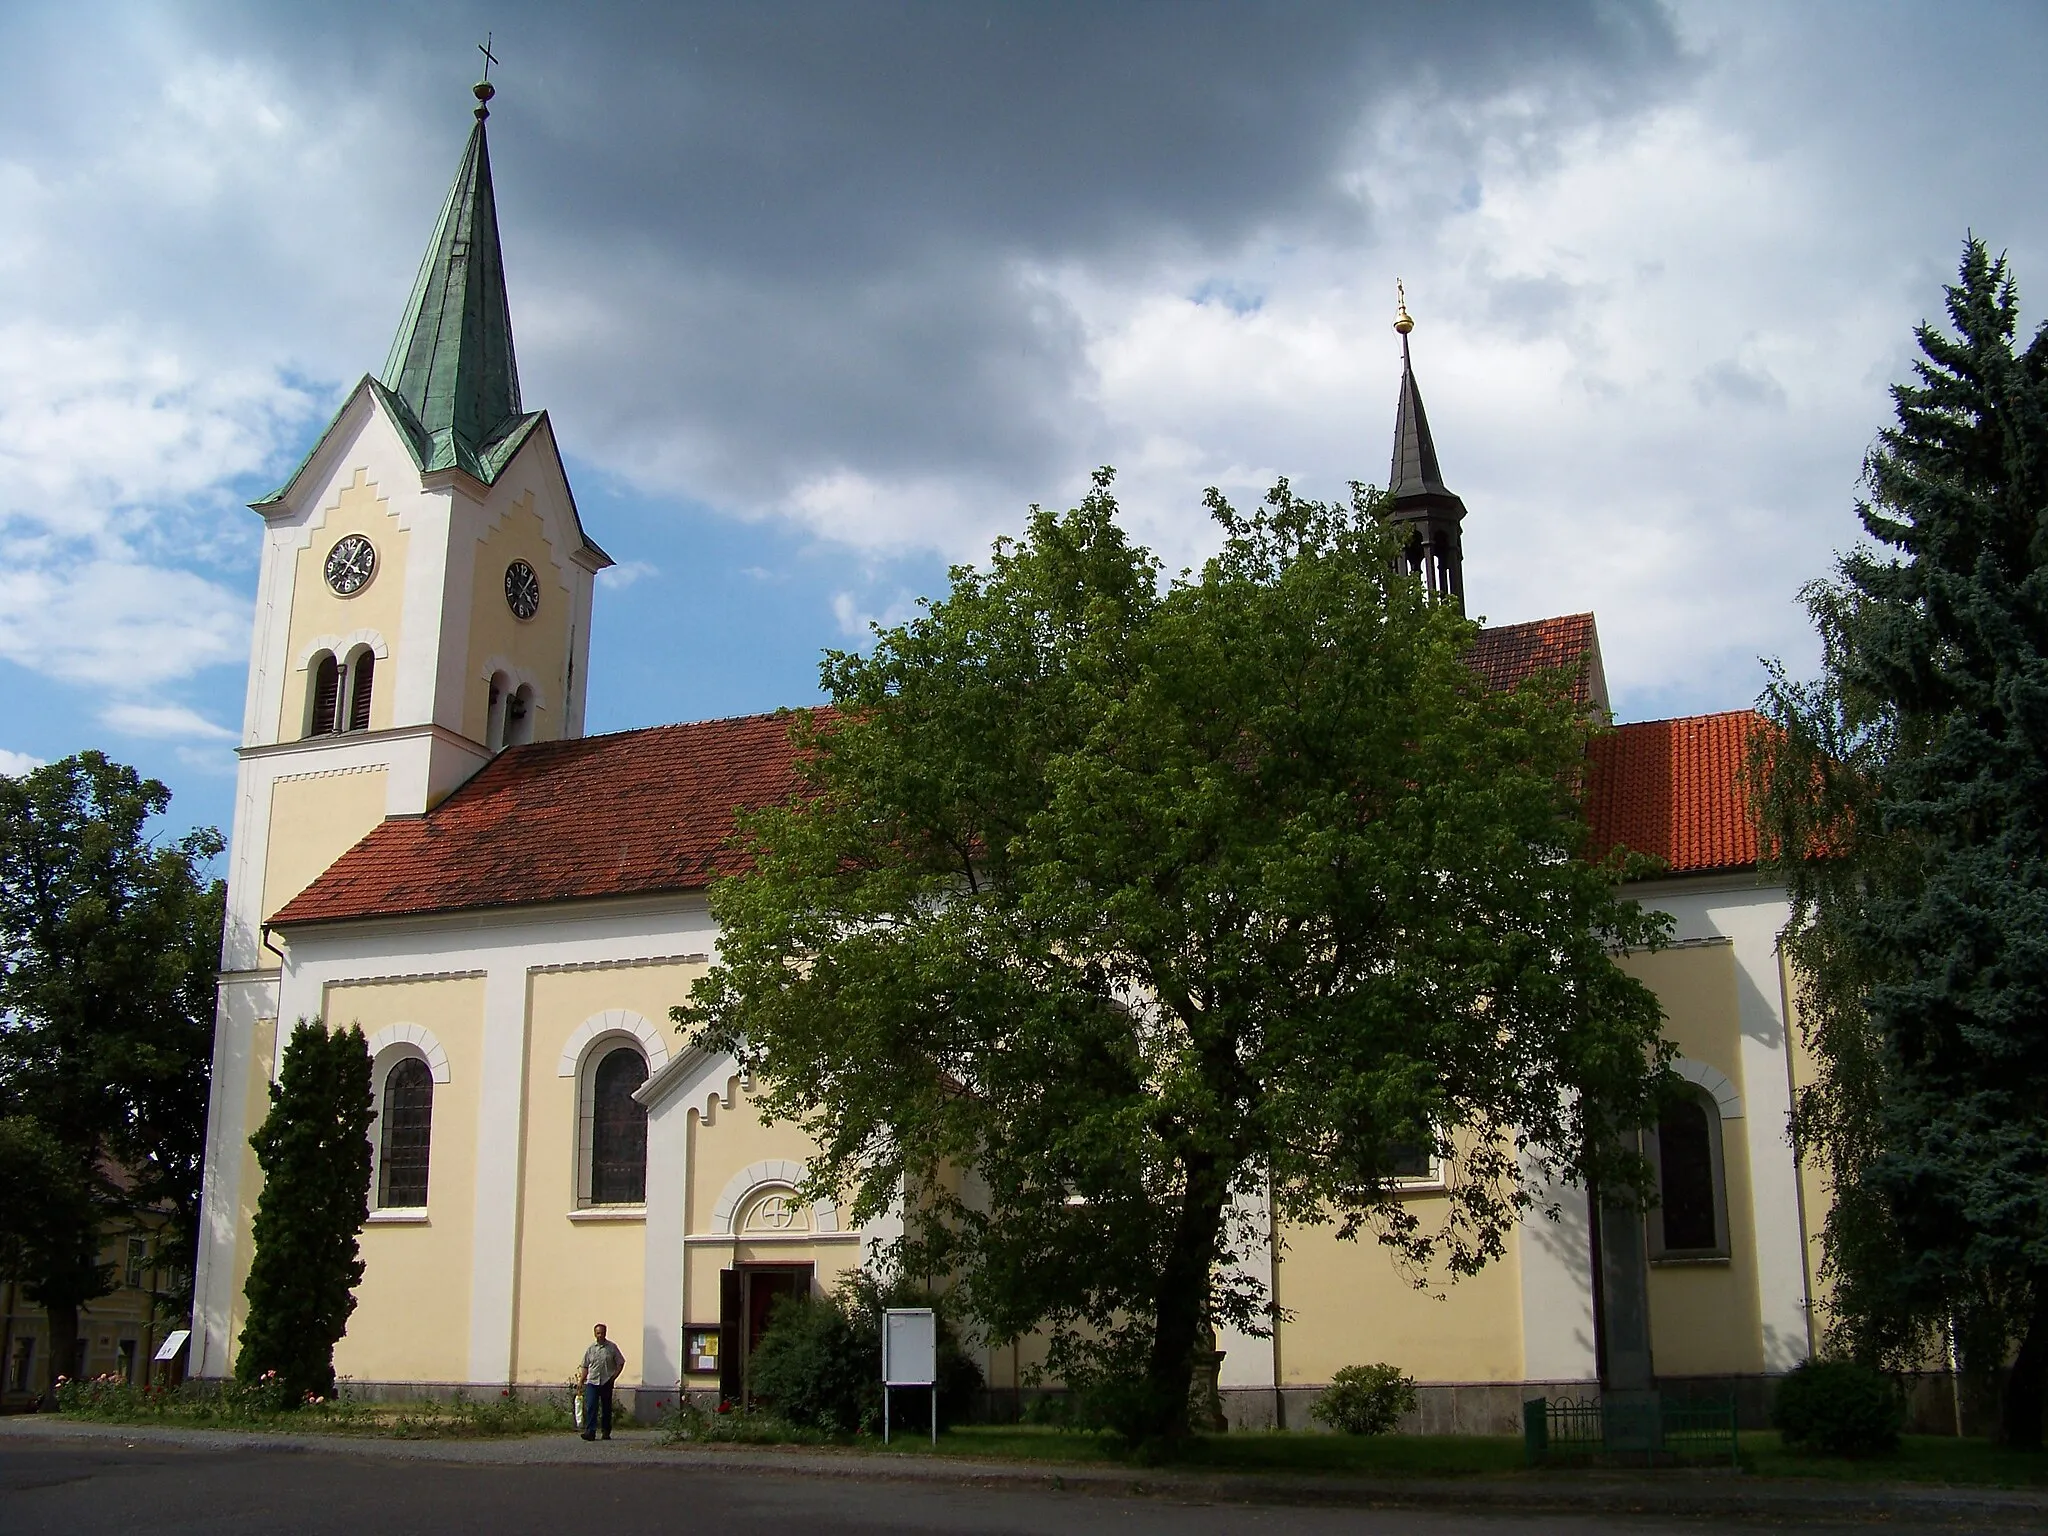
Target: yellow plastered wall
<point>1353,1305</point>
<point>317,610</point>
<point>313,822</point>
<point>1706,1317</point>
<point>255,1109</point>
<point>411,1321</point>
<point>575,1273</point>
<point>540,645</point>
<point>727,1136</point>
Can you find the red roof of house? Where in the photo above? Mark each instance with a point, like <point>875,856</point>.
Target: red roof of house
<point>1673,788</point>
<point>649,811</point>
<point>1505,654</point>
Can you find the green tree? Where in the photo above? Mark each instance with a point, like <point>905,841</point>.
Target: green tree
<point>1136,898</point>
<point>109,941</point>
<point>314,1150</point>
<point>50,1222</point>
<point>1906,793</point>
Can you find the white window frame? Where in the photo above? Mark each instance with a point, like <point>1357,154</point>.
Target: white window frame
<point>595,1051</point>
<point>389,1046</point>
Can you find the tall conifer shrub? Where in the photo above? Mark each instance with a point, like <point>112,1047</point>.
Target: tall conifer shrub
<point>314,1149</point>
<point>1906,791</point>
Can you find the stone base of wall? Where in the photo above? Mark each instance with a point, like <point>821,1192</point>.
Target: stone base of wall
<point>1441,1408</point>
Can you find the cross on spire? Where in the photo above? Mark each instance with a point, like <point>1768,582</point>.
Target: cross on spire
<point>490,58</point>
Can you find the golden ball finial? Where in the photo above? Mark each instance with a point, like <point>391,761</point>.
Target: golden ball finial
<point>1403,321</point>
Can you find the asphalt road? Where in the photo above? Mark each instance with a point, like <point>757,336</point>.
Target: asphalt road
<point>86,1487</point>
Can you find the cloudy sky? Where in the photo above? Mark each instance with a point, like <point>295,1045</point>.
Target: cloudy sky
<point>821,297</point>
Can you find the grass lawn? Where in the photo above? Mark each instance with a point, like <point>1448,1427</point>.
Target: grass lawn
<point>1919,1459</point>
<point>233,1407</point>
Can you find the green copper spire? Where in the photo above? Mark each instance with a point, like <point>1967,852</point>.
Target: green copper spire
<point>452,366</point>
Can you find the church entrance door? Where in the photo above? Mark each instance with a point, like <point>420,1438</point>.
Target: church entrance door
<point>747,1295</point>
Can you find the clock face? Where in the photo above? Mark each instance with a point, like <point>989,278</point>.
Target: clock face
<point>522,589</point>
<point>351,564</point>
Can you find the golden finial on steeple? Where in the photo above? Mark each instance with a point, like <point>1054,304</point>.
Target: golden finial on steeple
<point>1403,321</point>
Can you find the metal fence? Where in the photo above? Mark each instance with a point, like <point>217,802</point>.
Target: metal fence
<point>1662,1430</point>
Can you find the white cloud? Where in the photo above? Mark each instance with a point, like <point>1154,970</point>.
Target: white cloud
<point>15,764</point>
<point>894,514</point>
<point>212,761</point>
<point>102,431</point>
<point>622,575</point>
<point>118,624</point>
<point>856,620</point>
<point>165,722</point>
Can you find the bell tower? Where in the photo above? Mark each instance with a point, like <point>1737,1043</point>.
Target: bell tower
<point>426,584</point>
<point>423,603</point>
<point>1429,517</point>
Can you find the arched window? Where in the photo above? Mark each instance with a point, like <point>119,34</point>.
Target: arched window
<point>407,1114</point>
<point>362,671</point>
<point>1691,1218</point>
<point>325,696</point>
<point>615,1129</point>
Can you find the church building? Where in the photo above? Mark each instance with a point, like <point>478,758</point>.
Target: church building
<point>426,843</point>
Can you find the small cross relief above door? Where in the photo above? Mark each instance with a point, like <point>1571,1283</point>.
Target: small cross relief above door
<point>775,1211</point>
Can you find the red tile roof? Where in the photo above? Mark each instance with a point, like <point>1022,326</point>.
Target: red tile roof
<point>1673,788</point>
<point>1507,653</point>
<point>650,811</point>
<point>620,815</point>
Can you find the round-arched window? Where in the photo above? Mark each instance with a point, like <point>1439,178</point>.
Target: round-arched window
<point>1688,1175</point>
<point>408,1116</point>
<point>618,1130</point>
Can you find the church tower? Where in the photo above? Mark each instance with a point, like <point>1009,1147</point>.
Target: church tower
<point>424,602</point>
<point>1429,517</point>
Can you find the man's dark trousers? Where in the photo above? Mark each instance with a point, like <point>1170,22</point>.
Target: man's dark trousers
<point>597,1409</point>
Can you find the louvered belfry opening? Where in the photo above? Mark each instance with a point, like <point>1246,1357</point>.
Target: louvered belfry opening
<point>361,680</point>
<point>326,695</point>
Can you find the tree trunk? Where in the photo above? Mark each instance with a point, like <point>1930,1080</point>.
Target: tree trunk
<point>2026,1386</point>
<point>1183,1300</point>
<point>63,1345</point>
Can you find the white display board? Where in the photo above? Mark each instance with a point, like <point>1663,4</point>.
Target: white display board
<point>173,1342</point>
<point>910,1347</point>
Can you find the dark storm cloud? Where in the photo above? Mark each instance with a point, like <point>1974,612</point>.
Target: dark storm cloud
<point>758,243</point>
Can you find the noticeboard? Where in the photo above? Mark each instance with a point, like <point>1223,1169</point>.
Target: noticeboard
<point>173,1342</point>
<point>910,1347</point>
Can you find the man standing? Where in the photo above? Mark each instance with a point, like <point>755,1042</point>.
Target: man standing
<point>602,1363</point>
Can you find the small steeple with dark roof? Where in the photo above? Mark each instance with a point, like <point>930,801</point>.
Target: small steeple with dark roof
<point>1420,504</point>
<point>452,367</point>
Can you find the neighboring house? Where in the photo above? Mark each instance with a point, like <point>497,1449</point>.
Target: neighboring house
<point>426,844</point>
<point>118,1335</point>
